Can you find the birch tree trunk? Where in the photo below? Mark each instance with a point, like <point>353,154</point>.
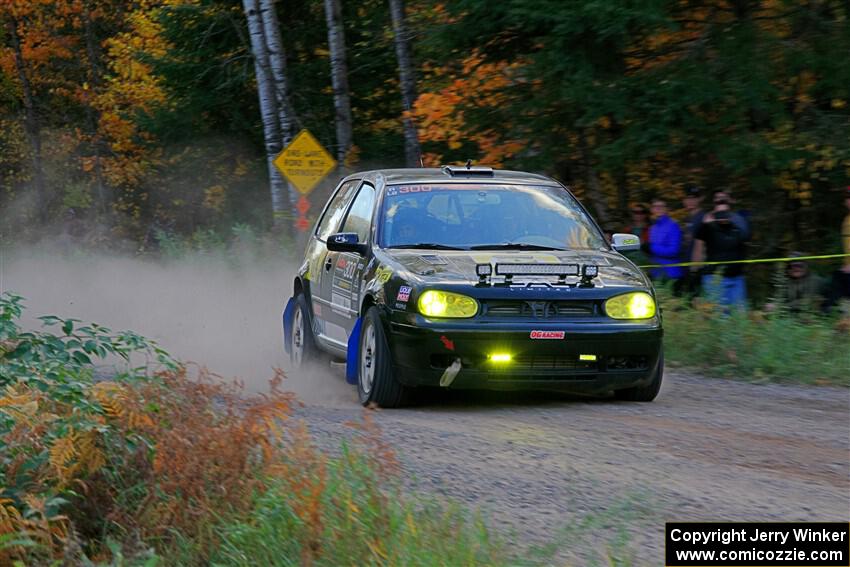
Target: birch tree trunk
<point>268,107</point>
<point>412,150</point>
<point>277,64</point>
<point>277,61</point>
<point>31,122</point>
<point>339,78</point>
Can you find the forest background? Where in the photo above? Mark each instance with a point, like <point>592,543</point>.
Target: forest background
<point>139,122</point>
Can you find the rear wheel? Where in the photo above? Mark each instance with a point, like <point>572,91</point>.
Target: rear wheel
<point>645,393</point>
<point>375,380</point>
<point>303,351</point>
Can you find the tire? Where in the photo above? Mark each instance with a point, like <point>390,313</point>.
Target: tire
<point>375,380</point>
<point>303,352</point>
<point>644,393</point>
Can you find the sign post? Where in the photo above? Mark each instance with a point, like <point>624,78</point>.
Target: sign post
<point>304,163</point>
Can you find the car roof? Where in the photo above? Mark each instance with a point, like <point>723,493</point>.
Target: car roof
<point>442,175</point>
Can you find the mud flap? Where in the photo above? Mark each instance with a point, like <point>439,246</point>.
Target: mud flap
<point>288,313</point>
<point>351,355</point>
<point>450,374</point>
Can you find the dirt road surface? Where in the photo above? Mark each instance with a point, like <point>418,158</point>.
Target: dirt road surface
<point>600,477</point>
<point>580,471</point>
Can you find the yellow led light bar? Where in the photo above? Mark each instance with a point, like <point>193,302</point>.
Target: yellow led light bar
<point>537,269</point>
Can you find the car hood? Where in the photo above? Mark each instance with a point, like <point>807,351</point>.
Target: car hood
<point>459,266</point>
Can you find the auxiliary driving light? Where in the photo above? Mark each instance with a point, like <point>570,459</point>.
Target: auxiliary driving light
<point>483,270</point>
<point>589,271</point>
<point>500,357</point>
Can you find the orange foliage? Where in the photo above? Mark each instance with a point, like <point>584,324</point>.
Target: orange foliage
<point>205,450</point>
<point>441,116</point>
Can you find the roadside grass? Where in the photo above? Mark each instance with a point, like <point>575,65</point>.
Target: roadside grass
<point>160,466</point>
<point>361,520</point>
<point>757,346</point>
<point>602,538</point>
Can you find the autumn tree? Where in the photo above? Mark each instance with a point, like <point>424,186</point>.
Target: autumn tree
<point>625,103</point>
<point>31,44</point>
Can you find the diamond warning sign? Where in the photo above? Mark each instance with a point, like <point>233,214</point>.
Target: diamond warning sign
<point>304,162</point>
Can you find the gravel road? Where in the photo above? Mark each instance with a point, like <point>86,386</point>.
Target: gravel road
<point>601,477</point>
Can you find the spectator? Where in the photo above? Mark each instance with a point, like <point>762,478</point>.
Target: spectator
<point>720,238</point>
<point>640,228</point>
<point>840,288</point>
<point>737,218</point>
<point>802,291</point>
<point>664,243</point>
<point>693,206</point>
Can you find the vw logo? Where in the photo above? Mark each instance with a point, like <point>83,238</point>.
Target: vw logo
<point>538,308</point>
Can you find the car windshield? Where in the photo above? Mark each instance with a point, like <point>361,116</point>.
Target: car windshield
<point>485,216</point>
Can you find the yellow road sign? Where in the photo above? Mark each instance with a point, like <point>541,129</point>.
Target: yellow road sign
<point>304,162</point>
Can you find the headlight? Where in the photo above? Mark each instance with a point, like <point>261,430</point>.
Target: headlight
<point>435,303</point>
<point>635,305</point>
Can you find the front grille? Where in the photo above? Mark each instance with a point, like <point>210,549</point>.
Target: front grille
<point>521,363</point>
<point>628,363</point>
<point>538,309</point>
<point>559,362</point>
<point>547,363</point>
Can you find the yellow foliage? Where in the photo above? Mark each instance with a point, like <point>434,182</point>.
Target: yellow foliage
<point>214,198</point>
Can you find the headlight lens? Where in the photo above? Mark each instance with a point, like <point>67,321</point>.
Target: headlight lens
<point>435,303</point>
<point>635,305</point>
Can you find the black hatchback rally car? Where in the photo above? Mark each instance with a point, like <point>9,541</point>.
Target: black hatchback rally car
<point>466,277</point>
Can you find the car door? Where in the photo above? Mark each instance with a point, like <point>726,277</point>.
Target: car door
<point>320,284</point>
<point>343,271</point>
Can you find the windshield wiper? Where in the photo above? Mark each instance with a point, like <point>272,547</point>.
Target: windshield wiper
<point>513,246</point>
<point>426,246</point>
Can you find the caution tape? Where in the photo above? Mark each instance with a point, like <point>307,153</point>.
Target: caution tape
<point>753,261</point>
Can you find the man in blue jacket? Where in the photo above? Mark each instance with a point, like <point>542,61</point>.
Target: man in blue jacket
<point>665,243</point>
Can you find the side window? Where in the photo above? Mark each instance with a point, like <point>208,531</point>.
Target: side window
<point>359,218</point>
<point>336,210</point>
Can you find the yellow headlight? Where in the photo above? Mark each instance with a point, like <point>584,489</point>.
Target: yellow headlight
<point>435,303</point>
<point>635,305</point>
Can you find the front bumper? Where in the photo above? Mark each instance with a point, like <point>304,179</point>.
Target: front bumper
<point>626,354</point>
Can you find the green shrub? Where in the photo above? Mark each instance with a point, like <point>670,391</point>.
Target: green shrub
<point>805,348</point>
<point>145,462</point>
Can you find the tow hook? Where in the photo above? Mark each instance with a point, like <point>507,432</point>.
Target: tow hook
<point>449,375</point>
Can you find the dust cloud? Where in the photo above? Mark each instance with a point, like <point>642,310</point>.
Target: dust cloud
<point>221,314</point>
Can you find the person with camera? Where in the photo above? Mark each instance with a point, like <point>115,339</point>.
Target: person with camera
<point>721,237</point>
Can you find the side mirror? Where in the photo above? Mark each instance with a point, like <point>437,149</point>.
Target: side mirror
<point>625,242</point>
<point>346,242</point>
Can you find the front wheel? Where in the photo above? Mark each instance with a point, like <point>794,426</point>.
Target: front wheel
<point>645,393</point>
<point>303,351</point>
<point>375,380</point>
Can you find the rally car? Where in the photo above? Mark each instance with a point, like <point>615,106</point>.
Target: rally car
<point>466,277</point>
